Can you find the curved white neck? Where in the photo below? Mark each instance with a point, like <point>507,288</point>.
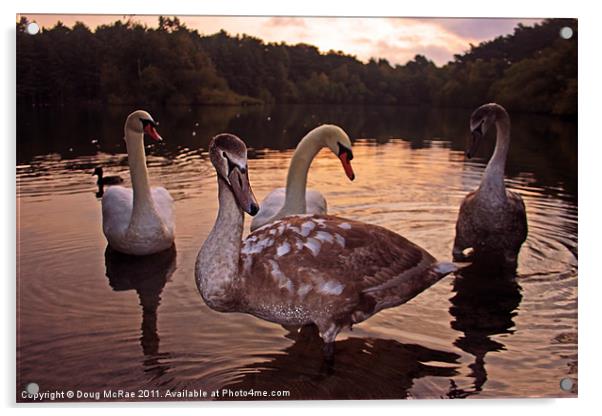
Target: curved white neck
<point>217,262</point>
<point>296,179</point>
<point>143,203</point>
<point>493,178</point>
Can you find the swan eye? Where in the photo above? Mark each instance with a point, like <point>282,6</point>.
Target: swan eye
<point>145,122</point>
<point>481,124</point>
<point>343,149</point>
<point>231,165</point>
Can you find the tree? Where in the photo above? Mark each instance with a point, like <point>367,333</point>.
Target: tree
<point>128,63</point>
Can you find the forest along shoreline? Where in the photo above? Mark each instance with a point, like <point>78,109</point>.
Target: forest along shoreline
<point>532,70</point>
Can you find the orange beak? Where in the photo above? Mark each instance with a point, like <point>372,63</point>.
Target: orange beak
<point>347,166</point>
<point>152,132</point>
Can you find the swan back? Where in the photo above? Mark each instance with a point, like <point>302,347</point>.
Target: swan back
<point>322,268</point>
<point>272,207</point>
<point>116,210</point>
<point>164,206</point>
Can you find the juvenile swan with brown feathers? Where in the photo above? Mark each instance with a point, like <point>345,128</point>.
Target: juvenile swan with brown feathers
<point>303,269</point>
<point>492,220</point>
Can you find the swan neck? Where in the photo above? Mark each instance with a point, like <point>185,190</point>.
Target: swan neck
<point>493,179</point>
<point>217,262</point>
<point>139,174</point>
<point>296,180</point>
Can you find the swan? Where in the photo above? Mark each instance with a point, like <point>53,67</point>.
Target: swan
<point>295,199</point>
<point>492,221</point>
<point>303,269</point>
<point>138,220</point>
<point>106,180</point>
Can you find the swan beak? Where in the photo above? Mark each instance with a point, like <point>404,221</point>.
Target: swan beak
<point>347,166</point>
<point>152,132</point>
<point>474,145</point>
<point>239,181</point>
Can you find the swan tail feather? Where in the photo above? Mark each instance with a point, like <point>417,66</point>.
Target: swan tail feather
<point>444,268</point>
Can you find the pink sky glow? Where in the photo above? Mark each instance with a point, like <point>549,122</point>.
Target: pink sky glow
<point>395,39</point>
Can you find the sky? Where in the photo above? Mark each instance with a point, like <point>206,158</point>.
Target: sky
<point>396,39</point>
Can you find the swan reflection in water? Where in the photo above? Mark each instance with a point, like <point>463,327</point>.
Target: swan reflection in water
<point>364,368</point>
<point>147,275</point>
<point>484,305</point>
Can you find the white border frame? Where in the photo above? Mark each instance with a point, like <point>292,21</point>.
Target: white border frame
<point>589,146</point>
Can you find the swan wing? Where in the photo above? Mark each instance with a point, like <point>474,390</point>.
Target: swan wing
<point>313,259</point>
<point>268,208</point>
<point>116,209</point>
<point>464,224</point>
<point>315,202</point>
<point>518,213</point>
<point>164,206</point>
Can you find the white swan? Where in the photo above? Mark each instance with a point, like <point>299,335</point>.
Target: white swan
<point>295,199</point>
<point>138,220</point>
<point>303,269</point>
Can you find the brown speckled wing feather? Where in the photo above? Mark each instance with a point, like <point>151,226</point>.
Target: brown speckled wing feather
<point>321,261</point>
<point>518,227</point>
<point>464,223</point>
<point>377,257</point>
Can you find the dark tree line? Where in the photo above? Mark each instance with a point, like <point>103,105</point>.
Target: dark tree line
<point>532,70</point>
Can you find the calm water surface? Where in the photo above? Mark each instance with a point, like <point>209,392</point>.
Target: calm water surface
<point>90,319</point>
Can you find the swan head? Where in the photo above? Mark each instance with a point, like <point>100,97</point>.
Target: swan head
<point>229,158</point>
<point>481,121</point>
<point>141,122</point>
<point>98,171</point>
<point>339,143</point>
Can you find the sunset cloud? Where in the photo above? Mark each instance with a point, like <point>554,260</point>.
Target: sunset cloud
<point>395,39</point>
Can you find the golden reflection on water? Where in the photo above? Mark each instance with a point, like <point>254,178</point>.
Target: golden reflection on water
<point>86,321</point>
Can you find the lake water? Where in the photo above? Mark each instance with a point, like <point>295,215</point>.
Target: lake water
<point>91,320</point>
